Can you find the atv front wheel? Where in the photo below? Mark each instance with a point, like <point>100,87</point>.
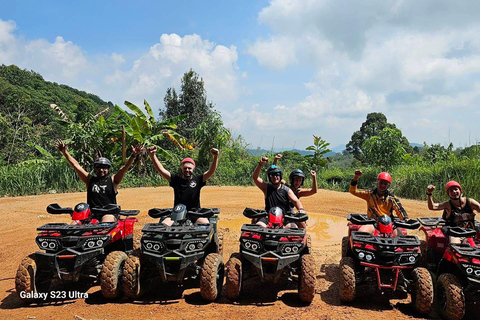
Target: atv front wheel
<point>450,298</point>
<point>233,283</point>
<point>309,244</point>
<point>220,235</point>
<point>306,286</point>
<point>111,274</point>
<point>347,279</point>
<point>423,249</point>
<point>422,295</point>
<point>344,246</point>
<point>211,277</point>
<point>131,278</point>
<point>28,279</point>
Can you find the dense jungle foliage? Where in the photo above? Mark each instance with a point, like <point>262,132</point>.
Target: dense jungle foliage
<point>35,112</point>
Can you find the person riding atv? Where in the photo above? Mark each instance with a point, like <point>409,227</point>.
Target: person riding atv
<point>379,201</point>
<point>276,194</point>
<point>458,211</point>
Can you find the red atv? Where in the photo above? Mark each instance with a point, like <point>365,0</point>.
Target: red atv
<point>268,253</point>
<point>390,264</point>
<point>456,266</point>
<point>77,253</point>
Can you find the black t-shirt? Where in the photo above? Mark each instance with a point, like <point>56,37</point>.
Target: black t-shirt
<point>100,193</point>
<point>277,197</point>
<point>187,192</point>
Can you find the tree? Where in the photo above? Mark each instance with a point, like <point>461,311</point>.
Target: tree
<point>319,149</point>
<point>437,152</point>
<point>385,149</point>
<point>192,101</point>
<point>373,125</point>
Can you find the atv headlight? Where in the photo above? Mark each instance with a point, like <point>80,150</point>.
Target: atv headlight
<point>408,258</point>
<point>291,248</point>
<point>251,245</point>
<point>472,270</point>
<point>95,242</point>
<point>155,246</point>
<point>49,244</point>
<point>195,245</point>
<point>365,255</point>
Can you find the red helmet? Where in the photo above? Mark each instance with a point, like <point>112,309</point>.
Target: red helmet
<point>384,176</point>
<point>188,160</point>
<point>385,224</point>
<point>81,212</point>
<point>452,184</point>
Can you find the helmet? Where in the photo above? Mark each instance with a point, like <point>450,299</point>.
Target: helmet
<point>452,184</point>
<point>296,173</point>
<point>81,211</point>
<point>274,170</point>
<point>384,224</point>
<point>102,161</point>
<point>275,216</point>
<point>384,176</point>
<point>190,160</point>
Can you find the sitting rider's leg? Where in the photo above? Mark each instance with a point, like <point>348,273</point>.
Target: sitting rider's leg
<point>262,222</point>
<point>455,240</point>
<point>202,220</point>
<point>167,221</point>
<point>108,218</point>
<point>369,228</point>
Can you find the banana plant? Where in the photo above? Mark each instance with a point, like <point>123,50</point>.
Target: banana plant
<point>144,128</point>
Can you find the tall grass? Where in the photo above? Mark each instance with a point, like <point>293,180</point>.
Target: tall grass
<point>409,181</point>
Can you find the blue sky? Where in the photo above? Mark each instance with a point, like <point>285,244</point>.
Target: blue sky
<point>278,71</point>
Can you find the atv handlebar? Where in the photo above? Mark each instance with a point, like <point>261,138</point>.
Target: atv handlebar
<point>407,224</point>
<point>296,217</point>
<point>360,219</point>
<point>461,232</point>
<point>199,213</point>
<point>108,209</point>
<point>254,213</point>
<point>55,208</point>
<point>431,221</point>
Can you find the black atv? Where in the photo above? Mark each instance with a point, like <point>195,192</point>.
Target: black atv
<point>270,252</point>
<point>174,253</point>
<point>380,261</point>
<point>78,253</point>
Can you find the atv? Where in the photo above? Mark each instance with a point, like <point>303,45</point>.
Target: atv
<point>183,251</point>
<point>456,266</point>
<point>78,253</point>
<point>388,264</point>
<point>271,253</point>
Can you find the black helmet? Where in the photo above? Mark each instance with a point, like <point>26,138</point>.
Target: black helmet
<point>296,173</point>
<point>102,161</point>
<point>274,170</point>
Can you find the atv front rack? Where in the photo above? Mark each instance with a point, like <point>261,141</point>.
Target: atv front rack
<point>279,232</point>
<point>72,228</point>
<point>401,241</point>
<point>466,250</point>
<point>180,230</point>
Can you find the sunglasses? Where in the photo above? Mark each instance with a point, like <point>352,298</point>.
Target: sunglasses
<point>274,175</point>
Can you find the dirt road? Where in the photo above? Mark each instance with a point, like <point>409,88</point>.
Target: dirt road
<point>327,225</point>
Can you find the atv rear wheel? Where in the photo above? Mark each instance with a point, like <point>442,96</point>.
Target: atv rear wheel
<point>450,298</point>
<point>309,244</point>
<point>347,279</point>
<point>211,277</point>
<point>131,278</point>
<point>344,246</point>
<point>111,274</point>
<point>306,286</point>
<point>422,295</point>
<point>233,283</point>
<point>27,279</point>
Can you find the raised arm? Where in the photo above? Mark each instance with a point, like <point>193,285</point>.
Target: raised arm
<point>431,204</point>
<point>313,190</point>
<point>158,166</point>
<point>213,165</point>
<point>276,158</point>
<point>81,173</point>
<point>118,177</point>
<point>256,175</point>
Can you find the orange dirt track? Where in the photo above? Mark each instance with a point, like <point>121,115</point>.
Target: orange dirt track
<point>327,225</point>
